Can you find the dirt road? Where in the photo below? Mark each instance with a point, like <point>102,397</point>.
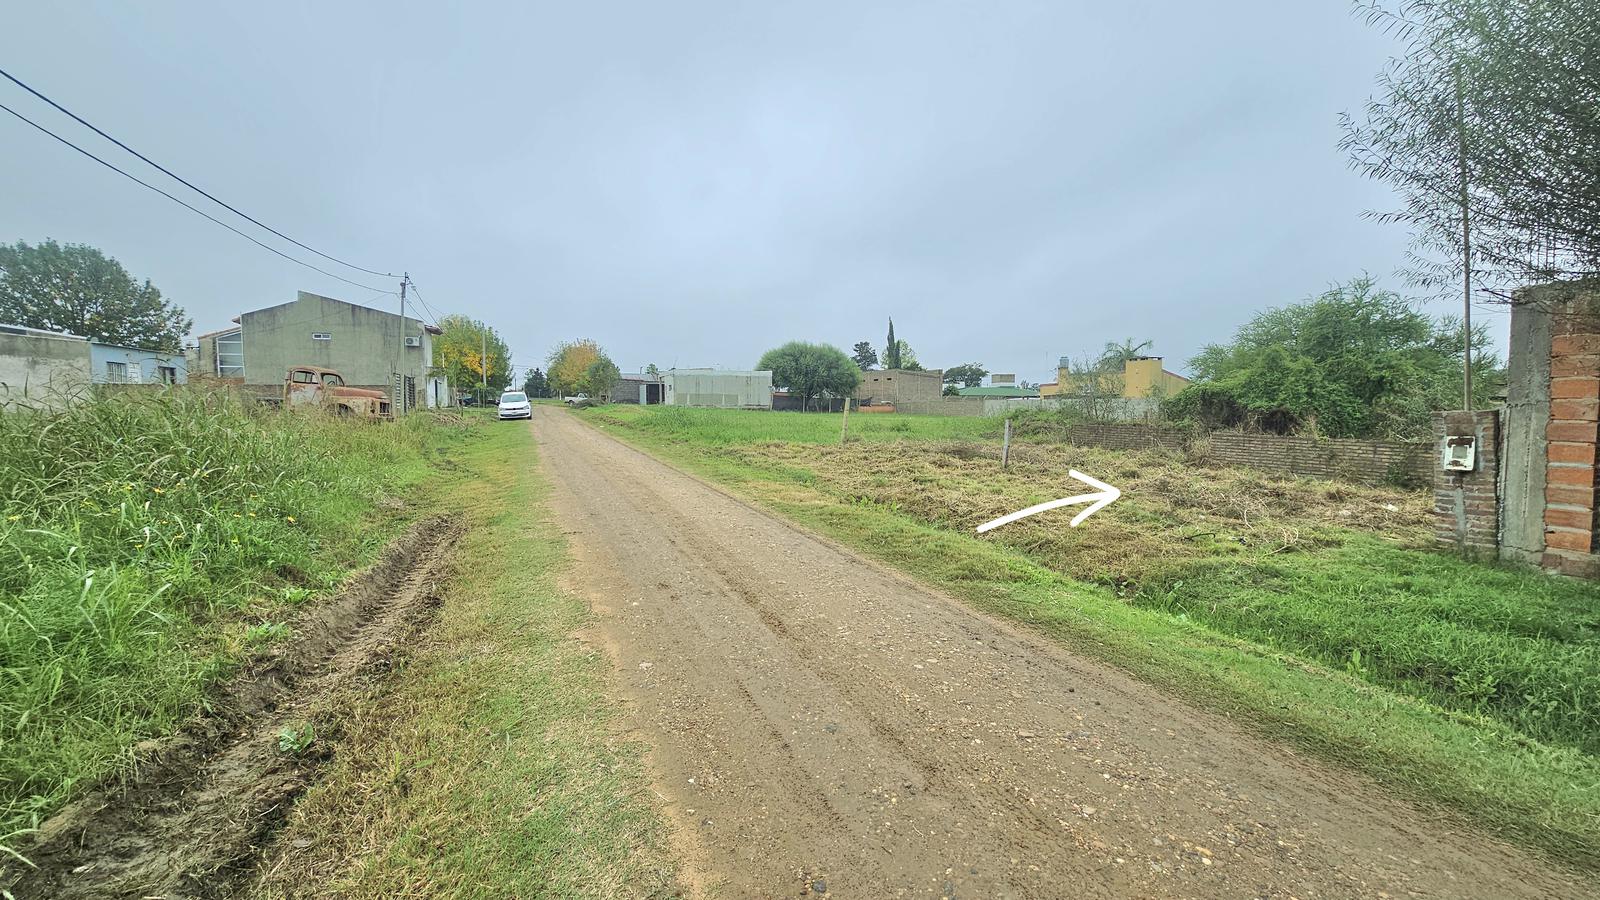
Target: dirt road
<point>821,725</point>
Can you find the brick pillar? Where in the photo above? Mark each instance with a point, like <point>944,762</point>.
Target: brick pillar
<point>1572,476</point>
<point>1466,505</point>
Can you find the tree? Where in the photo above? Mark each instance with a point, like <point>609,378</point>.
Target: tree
<point>600,378</point>
<point>652,371</point>
<point>810,371</point>
<point>1356,361</point>
<point>1117,353</point>
<point>459,353</point>
<point>1095,386</point>
<point>865,357</point>
<point>905,358</point>
<point>567,364</point>
<point>965,375</point>
<point>77,289</point>
<point>1490,113</point>
<point>536,384</point>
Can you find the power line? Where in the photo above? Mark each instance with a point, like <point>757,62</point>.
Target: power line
<point>188,184</point>
<point>142,183</point>
<point>418,293</point>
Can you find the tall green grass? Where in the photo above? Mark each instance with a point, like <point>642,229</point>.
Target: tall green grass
<point>747,426</point>
<point>1519,647</point>
<point>133,532</point>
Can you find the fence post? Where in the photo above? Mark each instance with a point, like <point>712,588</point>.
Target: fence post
<point>844,430</point>
<point>1005,448</point>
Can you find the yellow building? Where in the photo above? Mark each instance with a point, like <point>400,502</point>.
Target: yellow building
<point>1141,376</point>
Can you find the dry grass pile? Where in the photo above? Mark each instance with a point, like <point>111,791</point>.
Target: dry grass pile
<point>1170,511</point>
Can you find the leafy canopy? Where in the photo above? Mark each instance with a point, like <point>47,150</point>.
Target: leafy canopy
<point>459,352</point>
<point>536,385</point>
<point>581,367</point>
<point>965,375</point>
<point>904,357</point>
<point>600,378</point>
<point>1506,90</point>
<point>1355,362</point>
<point>864,355</point>
<point>809,371</point>
<point>77,289</point>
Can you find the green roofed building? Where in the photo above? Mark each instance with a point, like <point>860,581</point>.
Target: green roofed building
<point>997,391</point>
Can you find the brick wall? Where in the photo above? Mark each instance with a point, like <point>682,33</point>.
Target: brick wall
<point>1115,436</point>
<point>1466,505</point>
<point>1572,476</point>
<point>1358,461</point>
<point>1345,459</point>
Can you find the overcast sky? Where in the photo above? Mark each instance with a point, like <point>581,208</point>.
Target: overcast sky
<point>692,183</point>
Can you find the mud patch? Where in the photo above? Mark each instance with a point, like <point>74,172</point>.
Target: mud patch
<point>193,820</point>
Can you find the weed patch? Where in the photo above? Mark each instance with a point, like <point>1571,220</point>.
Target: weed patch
<point>146,546</point>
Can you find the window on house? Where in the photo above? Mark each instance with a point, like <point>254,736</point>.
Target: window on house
<point>321,336</point>
<point>167,374</point>
<point>230,355</point>
<point>116,372</point>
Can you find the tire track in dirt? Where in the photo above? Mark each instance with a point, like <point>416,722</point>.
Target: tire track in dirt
<point>816,717</point>
<point>194,819</point>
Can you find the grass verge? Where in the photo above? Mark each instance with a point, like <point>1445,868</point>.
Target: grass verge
<point>148,545</point>
<point>1262,636</point>
<point>487,766</point>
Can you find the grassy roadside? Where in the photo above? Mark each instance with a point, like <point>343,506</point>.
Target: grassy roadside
<point>1200,631</point>
<point>488,765</point>
<point>148,545</point>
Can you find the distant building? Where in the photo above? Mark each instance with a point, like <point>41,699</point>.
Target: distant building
<point>45,369</point>
<point>997,391</point>
<point>371,348</point>
<point>115,364</point>
<point>881,386</point>
<point>721,388</point>
<point>639,387</point>
<point>1142,376</point>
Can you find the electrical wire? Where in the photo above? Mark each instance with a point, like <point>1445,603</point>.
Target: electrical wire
<point>416,291</point>
<point>186,183</point>
<point>145,184</point>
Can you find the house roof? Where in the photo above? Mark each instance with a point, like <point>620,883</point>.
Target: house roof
<point>997,391</point>
<point>40,332</point>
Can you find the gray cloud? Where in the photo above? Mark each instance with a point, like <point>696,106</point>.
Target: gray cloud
<point>692,183</point>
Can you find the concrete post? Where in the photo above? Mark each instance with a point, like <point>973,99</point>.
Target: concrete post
<point>1467,503</point>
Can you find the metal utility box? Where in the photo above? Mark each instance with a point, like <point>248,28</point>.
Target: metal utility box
<point>1460,453</point>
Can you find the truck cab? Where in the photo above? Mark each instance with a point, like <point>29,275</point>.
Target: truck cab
<point>315,387</point>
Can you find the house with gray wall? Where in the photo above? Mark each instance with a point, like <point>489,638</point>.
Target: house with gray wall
<point>114,364</point>
<point>371,348</point>
<point>638,387</point>
<point>722,388</point>
<point>44,369</point>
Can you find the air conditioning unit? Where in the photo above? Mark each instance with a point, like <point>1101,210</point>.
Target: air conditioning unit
<point>413,342</point>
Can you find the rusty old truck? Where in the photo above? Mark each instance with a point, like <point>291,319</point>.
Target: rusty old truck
<point>311,387</point>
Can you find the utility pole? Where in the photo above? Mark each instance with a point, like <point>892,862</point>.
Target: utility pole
<point>398,406</point>
<point>1466,248</point>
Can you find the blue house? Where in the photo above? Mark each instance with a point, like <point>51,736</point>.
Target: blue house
<point>111,364</point>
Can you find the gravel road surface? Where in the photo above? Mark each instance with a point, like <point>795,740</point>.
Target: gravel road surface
<point>821,726</point>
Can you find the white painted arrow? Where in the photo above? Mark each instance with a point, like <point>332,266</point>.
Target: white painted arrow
<point>1097,501</point>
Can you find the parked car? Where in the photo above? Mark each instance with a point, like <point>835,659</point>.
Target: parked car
<point>575,399</point>
<point>515,405</point>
